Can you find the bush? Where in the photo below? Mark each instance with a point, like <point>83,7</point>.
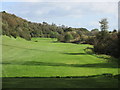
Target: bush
<point>53,34</point>
<point>90,40</point>
<point>106,43</point>
<point>60,38</point>
<point>68,37</point>
<point>89,50</point>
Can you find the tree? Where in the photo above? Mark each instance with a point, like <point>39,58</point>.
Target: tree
<point>104,28</point>
<point>97,30</point>
<point>94,32</point>
<point>68,37</point>
<point>4,12</point>
<point>114,31</point>
<point>53,34</point>
<point>60,38</point>
<point>45,23</point>
<point>104,24</point>
<point>102,37</point>
<point>68,29</point>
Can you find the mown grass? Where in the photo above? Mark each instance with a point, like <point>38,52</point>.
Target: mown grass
<point>44,57</point>
<point>92,82</point>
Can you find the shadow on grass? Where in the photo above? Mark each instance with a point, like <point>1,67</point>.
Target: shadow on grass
<point>103,57</point>
<point>95,65</point>
<point>75,53</point>
<point>100,81</point>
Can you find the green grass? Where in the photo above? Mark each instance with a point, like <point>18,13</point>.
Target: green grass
<point>47,58</point>
<point>92,82</point>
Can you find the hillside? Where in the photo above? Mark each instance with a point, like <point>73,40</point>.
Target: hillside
<point>15,26</point>
<point>18,27</point>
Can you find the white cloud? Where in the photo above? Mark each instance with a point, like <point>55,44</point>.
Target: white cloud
<point>53,9</point>
<point>105,7</point>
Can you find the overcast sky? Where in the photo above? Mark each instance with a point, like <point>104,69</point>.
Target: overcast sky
<point>73,14</point>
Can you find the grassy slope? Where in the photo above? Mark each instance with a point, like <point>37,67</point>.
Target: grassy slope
<point>47,58</point>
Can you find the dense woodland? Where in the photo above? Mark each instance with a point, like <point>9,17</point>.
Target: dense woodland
<point>104,41</point>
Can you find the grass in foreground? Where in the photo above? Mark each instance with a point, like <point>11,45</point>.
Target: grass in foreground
<point>91,82</point>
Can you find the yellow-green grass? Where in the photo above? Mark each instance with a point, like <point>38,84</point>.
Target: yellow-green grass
<point>44,57</point>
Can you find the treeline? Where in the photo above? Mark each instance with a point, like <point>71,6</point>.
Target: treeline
<point>78,35</point>
<point>18,27</point>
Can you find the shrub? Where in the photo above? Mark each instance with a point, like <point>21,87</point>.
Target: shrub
<point>68,37</point>
<point>89,50</point>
